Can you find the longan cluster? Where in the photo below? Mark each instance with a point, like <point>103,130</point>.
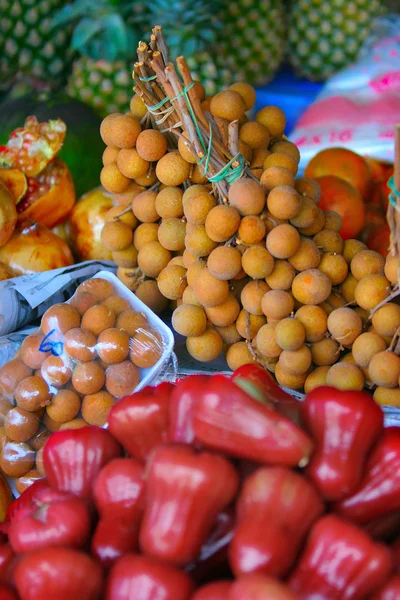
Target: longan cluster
<point>263,273</point>
<point>87,354</point>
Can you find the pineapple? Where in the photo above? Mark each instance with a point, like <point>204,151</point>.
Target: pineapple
<point>106,46</point>
<point>30,48</point>
<point>224,41</point>
<point>326,35</point>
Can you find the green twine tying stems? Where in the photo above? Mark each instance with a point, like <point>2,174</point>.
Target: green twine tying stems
<point>151,78</point>
<point>395,193</point>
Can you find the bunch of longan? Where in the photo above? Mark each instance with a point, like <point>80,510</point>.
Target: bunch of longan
<point>263,273</point>
<point>87,354</point>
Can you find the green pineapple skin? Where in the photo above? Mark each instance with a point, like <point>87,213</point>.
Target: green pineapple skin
<point>105,86</point>
<point>29,46</point>
<point>325,36</point>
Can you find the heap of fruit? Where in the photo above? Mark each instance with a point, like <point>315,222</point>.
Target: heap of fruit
<point>35,186</point>
<point>205,490</point>
<point>250,262</point>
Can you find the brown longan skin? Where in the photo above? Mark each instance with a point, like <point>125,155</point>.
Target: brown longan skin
<point>287,148</point>
<point>112,346</point>
<point>316,378</point>
<point>345,376</point>
<point>295,362</point>
<point>281,276</point>
<point>238,355</point>
<point>254,135</point>
<point>186,149</point>
<point>80,344</point>
<point>98,286</point>
<point>209,290</point>
<point>189,320</point>
<point>277,304</point>
<point>366,346</point>
<point>60,317</point>
<point>188,297</point>
<point>130,321</point>
<point>82,301</point>
<point>131,165</point>
<point>122,379</point>
<point>273,118</point>
<point>371,290</point>
<point>197,206</point>
<point>314,320</point>
<point>194,269</point>
<point>96,408</point>
<point>32,393</point>
<point>307,214</point>
<point>153,258</point>
<point>266,341</point>
<point>98,318</point>
<point>105,129</point>
<point>284,202</point>
<point>146,348</point>
<point>31,354</point>
<point>334,266</point>
<point>228,105</point>
<point>205,347</point>
<point>348,287</point>
<point>224,314</point>
<point>345,325</point>
<point>333,220</point>
<point>252,295</point>
<point>257,262</point>
<point>307,256</point>
<point>20,424</point>
<point>247,92</point>
<point>64,406</point>
<point>391,268</point>
<point>248,325</point>
<point>387,396</point>
<point>171,234</point>
<point>251,230</point>
<point>126,258</point>
<point>138,107</point>
<point>352,247</point>
<point>172,281</point>
<point>172,170</point>
<point>325,352</point>
<point>247,196</point>
<point>386,319</point>
<point>281,159</point>
<point>151,296</point>
<point>16,459</point>
<point>113,180</point>
<point>144,207</point>
<point>311,287</point>
<point>308,187</point>
<point>229,334</point>
<point>316,226</point>
<point>283,241</point>
<point>116,235</point>
<point>294,382</point>
<point>56,370</point>
<point>114,214</point>
<point>276,176</point>
<point>384,369</point>
<point>367,262</point>
<point>124,131</point>
<point>198,243</point>
<point>224,262</point>
<point>329,241</point>
<point>145,233</point>
<point>110,155</point>
<point>5,406</point>
<point>88,378</point>
<point>151,145</point>
<point>290,334</point>
<point>222,222</point>
<point>169,202</point>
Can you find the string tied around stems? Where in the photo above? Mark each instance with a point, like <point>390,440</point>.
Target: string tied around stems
<point>394,196</point>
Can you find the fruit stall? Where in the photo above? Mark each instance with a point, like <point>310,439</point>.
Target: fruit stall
<point>199,300</point>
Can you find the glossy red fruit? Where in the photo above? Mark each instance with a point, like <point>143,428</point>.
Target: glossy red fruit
<point>114,537</point>
<point>260,587</point>
<point>119,489</point>
<point>217,590</point>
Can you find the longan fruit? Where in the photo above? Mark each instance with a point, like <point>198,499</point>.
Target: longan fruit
<point>128,276</point>
<point>314,320</point>
<point>195,190</point>
<point>114,214</point>
<point>295,362</point>
<point>5,406</point>
<point>345,376</point>
<point>186,149</point>
<point>116,235</point>
<point>347,287</point>
<point>266,341</point>
<point>387,396</point>
<point>246,151</point>
<point>229,334</point>
<point>293,382</point>
<point>238,355</point>
<point>316,226</point>
<point>257,262</point>
<point>172,281</point>
<point>281,276</point>
<point>273,118</point>
<point>308,187</point>
<point>124,131</point>
<point>225,313</point>
<point>196,175</point>
<point>351,248</point>
<point>145,233</point>
<point>124,199</point>
<point>366,346</point>
<point>177,260</point>
<point>277,304</point>
<point>110,155</point>
<point>169,203</point>
<point>371,290</point>
<point>122,379</point>
<point>98,286</point>
<point>367,262</point>
<point>307,214</point>
<point>113,180</point>
<point>151,296</point>
<point>27,480</point>
<point>205,347</point>
<point>290,334</point>
<point>199,90</point>
<point>247,196</point>
<point>88,377</point>
<point>228,105</point>
<point>391,268</point>
<point>105,129</point>
<point>283,202</point>
<point>131,164</point>
<point>287,148</point>
<point>283,241</point>
<point>147,180</point>
<point>329,241</point>
<point>96,408</point>
<point>20,424</point>
<point>316,378</point>
<point>56,370</point>
<point>195,268</point>
<point>224,262</point>
<point>172,169</point>
<point>98,318</point>
<point>83,300</point>
<point>144,207</point>
<point>189,320</point>
<point>276,176</point>
<point>50,424</point>
<point>333,220</point>
<point>307,256</point>
<point>280,159</point>
<point>126,258</point>
<point>222,222</point>
<point>171,234</point>
<point>333,301</point>
<point>188,297</point>
<point>386,319</point>
<point>138,107</point>
<point>73,424</point>
<point>60,317</point>
<point>257,163</point>
<point>31,393</point>
<point>255,135</point>
<point>209,290</point>
<point>130,321</point>
<point>384,369</point>
<point>31,354</point>
<point>151,145</point>
<point>64,406</point>
<point>153,258</point>
<point>11,374</point>
<point>345,325</point>
<point>251,230</point>
<point>248,325</point>
<point>252,295</point>
<point>247,92</point>
<point>325,351</point>
<point>16,459</point>
<point>334,266</point>
<point>39,461</point>
<point>198,243</point>
<point>113,345</point>
<point>146,348</point>
<point>311,287</point>
<point>197,206</point>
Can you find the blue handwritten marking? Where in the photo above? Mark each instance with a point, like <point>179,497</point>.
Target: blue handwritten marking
<point>48,345</point>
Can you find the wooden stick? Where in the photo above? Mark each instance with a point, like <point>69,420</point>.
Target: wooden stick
<point>161,44</point>
<point>223,130</point>
<point>233,137</point>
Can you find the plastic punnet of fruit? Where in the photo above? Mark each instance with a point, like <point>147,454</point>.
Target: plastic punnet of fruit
<point>40,182</point>
<point>237,243</point>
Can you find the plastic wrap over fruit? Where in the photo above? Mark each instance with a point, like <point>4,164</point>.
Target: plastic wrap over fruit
<point>97,347</point>
<point>360,105</point>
